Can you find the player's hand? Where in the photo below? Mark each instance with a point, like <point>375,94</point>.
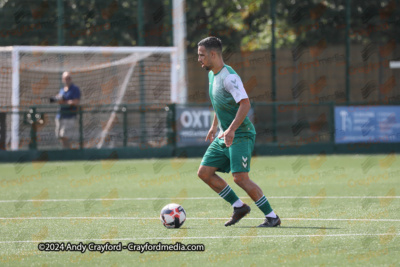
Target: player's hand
<point>228,136</point>
<point>211,134</point>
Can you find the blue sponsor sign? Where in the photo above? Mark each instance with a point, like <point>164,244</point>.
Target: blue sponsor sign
<point>367,124</point>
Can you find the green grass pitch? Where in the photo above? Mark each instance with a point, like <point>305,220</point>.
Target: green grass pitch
<point>335,210</point>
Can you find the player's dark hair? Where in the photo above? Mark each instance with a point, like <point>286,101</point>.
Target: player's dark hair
<point>211,43</point>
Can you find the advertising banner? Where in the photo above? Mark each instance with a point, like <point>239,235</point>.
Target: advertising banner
<point>367,124</point>
<point>193,124</point>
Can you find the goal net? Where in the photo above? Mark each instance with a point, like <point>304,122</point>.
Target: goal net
<point>107,77</point>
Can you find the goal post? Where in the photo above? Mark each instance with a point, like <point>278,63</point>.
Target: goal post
<point>105,75</point>
<point>15,100</point>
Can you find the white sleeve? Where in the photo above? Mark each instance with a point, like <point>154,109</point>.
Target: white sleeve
<point>233,84</point>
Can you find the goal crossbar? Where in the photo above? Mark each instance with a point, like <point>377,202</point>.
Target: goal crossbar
<point>90,49</point>
<point>17,51</point>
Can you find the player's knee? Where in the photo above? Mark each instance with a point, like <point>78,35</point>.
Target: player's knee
<point>203,174</point>
<point>239,179</point>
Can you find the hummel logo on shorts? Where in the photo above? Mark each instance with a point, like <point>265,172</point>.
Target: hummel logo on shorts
<point>244,163</point>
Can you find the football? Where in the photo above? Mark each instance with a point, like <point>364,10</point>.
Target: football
<point>173,215</point>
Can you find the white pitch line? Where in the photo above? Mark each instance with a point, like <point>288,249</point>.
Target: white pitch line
<point>336,197</point>
<point>187,198</point>
<point>201,218</point>
<point>105,199</point>
<point>339,219</point>
<point>195,237</point>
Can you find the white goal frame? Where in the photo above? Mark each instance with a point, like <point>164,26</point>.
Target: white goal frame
<point>178,94</point>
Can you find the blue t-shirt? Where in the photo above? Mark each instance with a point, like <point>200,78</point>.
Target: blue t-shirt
<point>72,93</point>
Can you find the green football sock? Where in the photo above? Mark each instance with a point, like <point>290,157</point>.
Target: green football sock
<point>264,205</point>
<point>228,194</point>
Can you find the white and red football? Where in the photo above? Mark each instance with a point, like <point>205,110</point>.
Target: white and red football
<point>173,215</point>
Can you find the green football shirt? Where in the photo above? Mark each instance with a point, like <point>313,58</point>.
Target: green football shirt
<point>226,90</point>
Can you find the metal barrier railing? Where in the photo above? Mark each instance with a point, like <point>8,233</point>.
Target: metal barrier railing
<point>280,120</point>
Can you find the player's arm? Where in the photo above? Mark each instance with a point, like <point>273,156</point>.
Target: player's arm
<point>213,130</point>
<point>234,85</point>
<point>240,115</point>
<point>215,121</point>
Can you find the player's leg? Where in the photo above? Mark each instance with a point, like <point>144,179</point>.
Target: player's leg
<point>208,175</point>
<point>240,153</point>
<point>254,191</point>
<point>219,185</point>
<point>215,159</point>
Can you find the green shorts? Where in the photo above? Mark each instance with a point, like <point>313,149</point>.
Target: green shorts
<point>235,158</point>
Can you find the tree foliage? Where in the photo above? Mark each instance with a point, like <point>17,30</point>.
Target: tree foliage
<point>241,24</point>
